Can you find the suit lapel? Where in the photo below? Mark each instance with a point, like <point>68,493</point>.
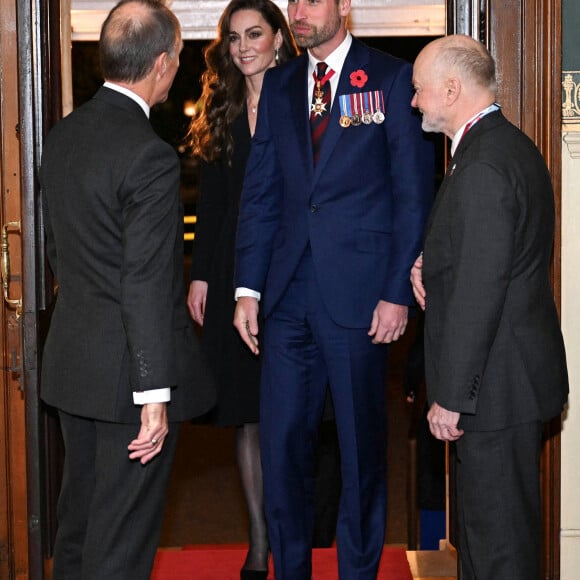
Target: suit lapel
<point>357,58</point>
<point>488,122</point>
<point>297,90</point>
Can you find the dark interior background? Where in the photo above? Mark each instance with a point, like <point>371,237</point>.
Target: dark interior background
<point>168,118</point>
<point>205,503</point>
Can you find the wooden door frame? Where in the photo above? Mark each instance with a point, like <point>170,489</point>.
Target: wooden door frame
<point>525,38</point>
<point>30,91</point>
<point>15,529</point>
<point>24,47</point>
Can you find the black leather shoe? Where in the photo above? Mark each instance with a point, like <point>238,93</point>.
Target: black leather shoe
<point>253,574</point>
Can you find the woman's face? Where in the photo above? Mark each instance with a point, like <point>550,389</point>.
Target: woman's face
<point>253,43</point>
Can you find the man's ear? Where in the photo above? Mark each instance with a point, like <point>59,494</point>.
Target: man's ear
<point>161,64</point>
<point>344,8</point>
<point>453,88</point>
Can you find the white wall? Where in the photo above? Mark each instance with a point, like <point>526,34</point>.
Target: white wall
<point>570,533</point>
<point>199,18</point>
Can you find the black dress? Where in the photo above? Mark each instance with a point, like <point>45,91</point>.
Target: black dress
<point>236,369</point>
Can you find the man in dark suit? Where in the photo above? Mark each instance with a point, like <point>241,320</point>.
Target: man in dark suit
<point>329,220</point>
<point>495,362</point>
<point>120,362</point>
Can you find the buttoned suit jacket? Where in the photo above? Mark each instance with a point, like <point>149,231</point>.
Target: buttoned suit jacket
<point>493,347</point>
<point>361,209</point>
<point>114,230</point>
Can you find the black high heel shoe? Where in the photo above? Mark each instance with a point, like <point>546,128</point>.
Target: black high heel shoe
<point>253,574</point>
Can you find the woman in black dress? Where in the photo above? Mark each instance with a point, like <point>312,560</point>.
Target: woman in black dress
<point>252,37</point>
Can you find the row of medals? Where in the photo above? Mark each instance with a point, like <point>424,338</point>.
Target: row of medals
<point>366,118</point>
<point>355,120</point>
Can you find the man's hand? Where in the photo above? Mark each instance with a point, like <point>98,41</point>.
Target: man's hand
<point>389,322</point>
<point>417,281</point>
<point>153,430</point>
<point>196,299</point>
<point>443,423</point>
<point>246,321</point>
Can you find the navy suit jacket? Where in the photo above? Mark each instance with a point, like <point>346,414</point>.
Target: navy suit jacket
<point>362,208</point>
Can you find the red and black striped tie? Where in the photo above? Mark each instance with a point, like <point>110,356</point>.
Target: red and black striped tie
<point>320,107</point>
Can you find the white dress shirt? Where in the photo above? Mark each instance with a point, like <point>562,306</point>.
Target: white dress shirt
<point>335,60</point>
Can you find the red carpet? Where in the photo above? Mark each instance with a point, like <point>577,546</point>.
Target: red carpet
<point>223,562</point>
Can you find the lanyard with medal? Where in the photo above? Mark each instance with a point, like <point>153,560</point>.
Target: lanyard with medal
<point>319,107</point>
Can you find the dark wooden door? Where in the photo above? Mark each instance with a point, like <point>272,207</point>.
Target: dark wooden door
<point>25,64</point>
<point>17,519</point>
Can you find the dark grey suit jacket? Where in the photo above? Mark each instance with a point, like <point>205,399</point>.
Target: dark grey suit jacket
<point>114,225</point>
<point>493,346</point>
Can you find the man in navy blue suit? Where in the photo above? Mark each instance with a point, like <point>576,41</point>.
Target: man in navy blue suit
<point>326,238</point>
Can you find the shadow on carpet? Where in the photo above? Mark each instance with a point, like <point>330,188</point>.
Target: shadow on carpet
<point>223,562</point>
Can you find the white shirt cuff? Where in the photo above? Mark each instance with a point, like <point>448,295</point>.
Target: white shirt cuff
<point>152,396</point>
<point>246,292</point>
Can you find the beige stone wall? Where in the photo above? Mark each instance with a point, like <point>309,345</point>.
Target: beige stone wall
<point>199,18</point>
<point>570,533</point>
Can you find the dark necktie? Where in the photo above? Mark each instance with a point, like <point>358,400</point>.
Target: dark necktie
<point>320,107</point>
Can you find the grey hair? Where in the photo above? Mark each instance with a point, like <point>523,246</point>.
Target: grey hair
<point>470,59</point>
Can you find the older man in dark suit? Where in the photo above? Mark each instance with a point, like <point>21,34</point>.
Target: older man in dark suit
<point>120,364</point>
<point>494,354</point>
<point>337,190</point>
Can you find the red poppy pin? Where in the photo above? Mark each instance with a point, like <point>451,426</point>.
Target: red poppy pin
<point>358,78</point>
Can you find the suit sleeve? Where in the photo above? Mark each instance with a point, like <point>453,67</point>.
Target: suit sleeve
<point>260,204</point>
<point>150,200</point>
<point>412,172</point>
<point>210,209</point>
<point>473,277</point>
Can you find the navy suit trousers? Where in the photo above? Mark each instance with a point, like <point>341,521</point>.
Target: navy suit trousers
<point>304,351</point>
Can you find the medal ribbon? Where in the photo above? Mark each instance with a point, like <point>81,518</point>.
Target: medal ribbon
<point>320,108</point>
<point>322,81</point>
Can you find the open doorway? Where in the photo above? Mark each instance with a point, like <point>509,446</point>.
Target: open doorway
<point>524,37</point>
<point>205,503</point>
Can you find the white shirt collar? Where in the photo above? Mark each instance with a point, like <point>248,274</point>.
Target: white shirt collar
<point>128,93</point>
<point>335,59</point>
<point>459,135</point>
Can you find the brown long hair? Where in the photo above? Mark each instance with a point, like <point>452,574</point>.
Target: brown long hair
<point>224,86</point>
